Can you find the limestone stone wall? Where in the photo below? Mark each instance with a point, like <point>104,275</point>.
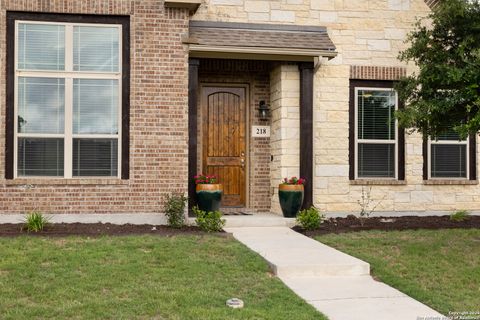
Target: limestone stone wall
<point>365,33</point>
<point>285,126</point>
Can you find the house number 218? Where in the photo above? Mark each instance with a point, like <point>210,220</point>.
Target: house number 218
<point>261,131</point>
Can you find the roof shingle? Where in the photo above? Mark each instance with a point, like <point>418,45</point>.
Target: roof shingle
<point>260,36</point>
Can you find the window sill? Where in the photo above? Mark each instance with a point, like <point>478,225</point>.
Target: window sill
<point>449,182</point>
<point>378,182</point>
<point>64,182</point>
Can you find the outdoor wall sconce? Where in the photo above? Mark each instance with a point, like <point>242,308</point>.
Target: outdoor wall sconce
<point>263,110</point>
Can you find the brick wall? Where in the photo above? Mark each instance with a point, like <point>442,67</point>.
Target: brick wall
<point>368,35</point>
<point>158,116</point>
<point>256,75</point>
<point>377,73</point>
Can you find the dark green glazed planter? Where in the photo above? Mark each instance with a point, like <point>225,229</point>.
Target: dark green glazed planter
<point>291,199</point>
<point>209,196</point>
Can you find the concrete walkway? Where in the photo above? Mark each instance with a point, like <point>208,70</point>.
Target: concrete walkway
<point>336,284</point>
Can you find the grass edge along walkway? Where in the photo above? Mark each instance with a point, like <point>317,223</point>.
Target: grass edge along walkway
<point>440,268</point>
<point>140,277</point>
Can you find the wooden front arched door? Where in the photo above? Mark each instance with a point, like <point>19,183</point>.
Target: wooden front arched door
<point>224,141</point>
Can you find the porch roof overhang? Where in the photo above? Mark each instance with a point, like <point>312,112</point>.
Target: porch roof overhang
<point>191,5</point>
<point>258,41</point>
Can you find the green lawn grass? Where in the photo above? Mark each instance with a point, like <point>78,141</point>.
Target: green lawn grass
<point>440,268</point>
<point>140,277</point>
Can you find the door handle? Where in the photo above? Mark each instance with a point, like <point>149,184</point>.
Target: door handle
<point>242,162</point>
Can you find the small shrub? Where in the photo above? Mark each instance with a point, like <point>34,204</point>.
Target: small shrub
<point>209,221</point>
<point>35,221</point>
<point>310,219</point>
<point>175,210</point>
<point>460,215</point>
<point>366,204</point>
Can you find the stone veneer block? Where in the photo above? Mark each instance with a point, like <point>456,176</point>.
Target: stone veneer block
<point>282,16</point>
<point>401,5</point>
<point>257,6</point>
<point>322,4</point>
<point>378,45</point>
<point>227,2</point>
<point>331,170</point>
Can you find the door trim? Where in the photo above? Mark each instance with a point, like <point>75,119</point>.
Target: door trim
<point>248,98</point>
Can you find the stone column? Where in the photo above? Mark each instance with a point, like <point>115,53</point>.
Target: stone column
<point>332,190</point>
<point>285,126</point>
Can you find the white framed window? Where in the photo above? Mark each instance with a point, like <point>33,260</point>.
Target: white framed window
<point>448,157</point>
<point>376,134</point>
<point>67,104</point>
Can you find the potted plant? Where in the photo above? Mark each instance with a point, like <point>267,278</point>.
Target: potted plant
<point>209,192</point>
<point>290,194</point>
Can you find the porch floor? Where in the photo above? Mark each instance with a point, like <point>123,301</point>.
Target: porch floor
<point>256,219</point>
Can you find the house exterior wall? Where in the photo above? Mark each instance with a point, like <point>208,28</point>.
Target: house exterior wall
<point>158,116</point>
<point>367,33</point>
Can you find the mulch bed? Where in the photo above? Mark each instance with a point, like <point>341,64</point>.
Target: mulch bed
<point>331,225</point>
<point>98,229</point>
<point>352,224</point>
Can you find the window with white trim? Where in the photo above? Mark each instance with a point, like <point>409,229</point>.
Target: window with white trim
<point>376,142</point>
<point>68,84</point>
<point>448,157</point>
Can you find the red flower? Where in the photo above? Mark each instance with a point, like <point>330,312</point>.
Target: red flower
<point>294,180</point>
<point>204,179</point>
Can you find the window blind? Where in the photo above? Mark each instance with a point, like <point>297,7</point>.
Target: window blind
<point>40,157</point>
<point>95,157</point>
<point>449,135</point>
<point>376,119</point>
<point>448,160</point>
<point>376,160</point>
<point>41,47</point>
<point>376,133</point>
<point>95,49</point>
